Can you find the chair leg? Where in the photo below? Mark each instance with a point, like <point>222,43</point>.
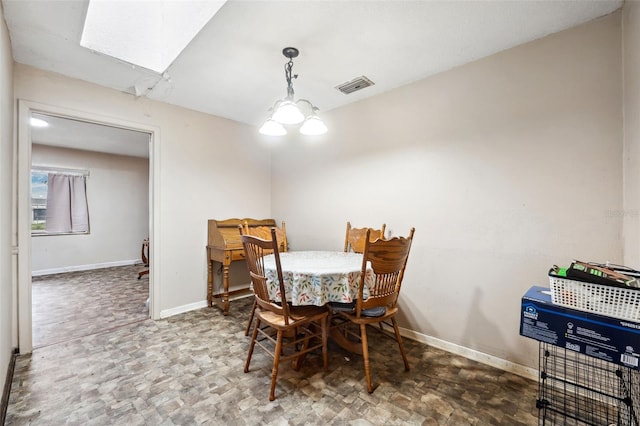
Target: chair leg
<point>253,312</point>
<point>301,347</point>
<point>276,364</point>
<point>365,356</point>
<point>296,335</point>
<point>252,345</point>
<point>399,339</point>
<point>325,337</point>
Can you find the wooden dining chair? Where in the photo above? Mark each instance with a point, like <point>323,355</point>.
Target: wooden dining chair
<point>355,237</point>
<point>264,232</point>
<point>387,260</point>
<point>283,246</point>
<point>298,330</point>
<point>144,255</point>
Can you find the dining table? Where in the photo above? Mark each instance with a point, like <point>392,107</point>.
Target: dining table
<point>318,278</point>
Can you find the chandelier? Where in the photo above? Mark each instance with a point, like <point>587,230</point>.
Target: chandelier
<point>288,111</point>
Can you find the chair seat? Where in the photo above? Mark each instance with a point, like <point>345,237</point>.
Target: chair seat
<point>302,314</point>
<point>338,307</point>
<point>351,316</point>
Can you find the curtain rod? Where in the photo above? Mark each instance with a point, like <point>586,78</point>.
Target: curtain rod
<point>61,170</point>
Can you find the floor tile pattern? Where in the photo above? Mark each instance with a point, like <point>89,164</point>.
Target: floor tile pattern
<point>188,370</point>
<point>76,304</point>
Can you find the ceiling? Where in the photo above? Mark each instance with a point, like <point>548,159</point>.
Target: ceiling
<point>75,134</point>
<point>234,68</point>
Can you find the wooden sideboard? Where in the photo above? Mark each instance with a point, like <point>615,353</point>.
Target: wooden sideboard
<point>224,246</point>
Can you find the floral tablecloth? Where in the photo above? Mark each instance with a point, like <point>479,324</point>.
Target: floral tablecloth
<point>317,277</point>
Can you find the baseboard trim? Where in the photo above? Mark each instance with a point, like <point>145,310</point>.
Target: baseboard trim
<point>182,309</point>
<point>193,306</point>
<point>493,361</point>
<point>87,267</point>
<point>4,405</point>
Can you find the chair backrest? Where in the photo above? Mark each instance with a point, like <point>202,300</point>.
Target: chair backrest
<point>388,260</point>
<point>145,251</point>
<point>355,238</point>
<point>265,233</point>
<point>255,249</point>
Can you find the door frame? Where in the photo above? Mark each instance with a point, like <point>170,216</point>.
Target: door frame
<point>23,206</point>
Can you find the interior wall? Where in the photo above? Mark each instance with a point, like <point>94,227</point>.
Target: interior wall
<point>118,199</point>
<point>7,239</point>
<point>631,97</point>
<point>505,166</point>
<point>208,168</point>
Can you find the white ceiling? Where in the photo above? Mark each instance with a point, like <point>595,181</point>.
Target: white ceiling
<point>234,67</point>
<point>75,134</point>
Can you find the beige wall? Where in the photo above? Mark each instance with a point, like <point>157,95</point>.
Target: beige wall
<point>118,199</point>
<point>504,166</point>
<point>209,167</point>
<point>7,295</point>
<point>631,98</point>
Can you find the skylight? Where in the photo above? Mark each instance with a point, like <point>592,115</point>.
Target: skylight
<point>150,34</point>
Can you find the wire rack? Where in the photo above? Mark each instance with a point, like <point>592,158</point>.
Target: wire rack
<point>575,389</point>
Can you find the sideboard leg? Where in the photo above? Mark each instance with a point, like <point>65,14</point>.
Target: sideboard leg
<point>225,291</point>
<point>209,282</point>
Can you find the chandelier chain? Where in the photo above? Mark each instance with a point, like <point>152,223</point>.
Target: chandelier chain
<point>288,67</point>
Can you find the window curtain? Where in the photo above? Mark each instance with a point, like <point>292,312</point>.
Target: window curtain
<point>67,209</point>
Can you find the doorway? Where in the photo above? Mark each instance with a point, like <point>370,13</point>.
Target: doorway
<point>25,151</point>
<point>85,252</point>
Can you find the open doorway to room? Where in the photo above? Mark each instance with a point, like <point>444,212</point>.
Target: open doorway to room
<point>86,278</point>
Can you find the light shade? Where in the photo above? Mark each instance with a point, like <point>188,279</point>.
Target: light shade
<point>288,113</point>
<point>313,126</point>
<point>272,128</point>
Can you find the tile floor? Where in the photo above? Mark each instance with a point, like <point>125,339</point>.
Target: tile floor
<point>188,369</point>
<point>77,304</point>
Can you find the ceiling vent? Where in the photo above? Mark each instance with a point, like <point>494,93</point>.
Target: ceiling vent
<point>354,85</point>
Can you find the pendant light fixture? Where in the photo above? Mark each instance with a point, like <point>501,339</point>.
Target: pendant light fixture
<point>288,111</point>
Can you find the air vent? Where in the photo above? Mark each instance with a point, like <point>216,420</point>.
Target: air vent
<point>354,85</point>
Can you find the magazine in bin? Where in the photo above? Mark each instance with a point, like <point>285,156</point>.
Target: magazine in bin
<point>603,274</point>
<point>603,290</point>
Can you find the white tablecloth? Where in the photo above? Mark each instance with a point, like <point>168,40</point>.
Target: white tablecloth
<point>316,277</point>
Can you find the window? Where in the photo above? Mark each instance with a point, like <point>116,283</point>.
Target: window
<point>58,202</point>
<point>38,200</point>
